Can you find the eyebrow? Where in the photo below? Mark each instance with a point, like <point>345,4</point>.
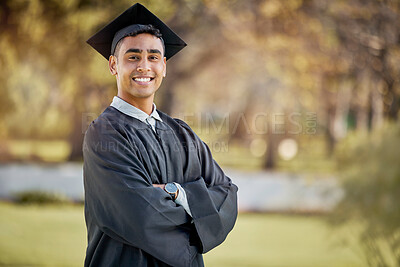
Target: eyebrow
<point>136,50</point>
<point>154,51</point>
<point>133,50</point>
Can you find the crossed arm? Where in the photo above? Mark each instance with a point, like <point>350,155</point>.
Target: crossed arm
<point>124,204</point>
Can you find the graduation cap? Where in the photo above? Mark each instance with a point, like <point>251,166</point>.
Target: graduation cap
<point>106,39</point>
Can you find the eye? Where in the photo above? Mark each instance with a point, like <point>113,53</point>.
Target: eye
<point>133,57</point>
<point>153,57</point>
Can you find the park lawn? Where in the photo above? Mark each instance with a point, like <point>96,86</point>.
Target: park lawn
<point>56,236</point>
<point>285,241</point>
<point>34,235</point>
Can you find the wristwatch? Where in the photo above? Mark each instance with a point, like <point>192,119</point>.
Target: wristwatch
<point>172,190</point>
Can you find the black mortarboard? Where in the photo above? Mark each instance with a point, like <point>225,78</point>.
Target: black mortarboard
<point>103,41</point>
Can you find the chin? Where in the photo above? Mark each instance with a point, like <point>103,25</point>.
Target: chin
<point>142,94</point>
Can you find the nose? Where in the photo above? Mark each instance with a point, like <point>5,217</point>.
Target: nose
<point>143,66</point>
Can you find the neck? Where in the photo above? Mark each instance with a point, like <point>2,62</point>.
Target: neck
<point>144,104</point>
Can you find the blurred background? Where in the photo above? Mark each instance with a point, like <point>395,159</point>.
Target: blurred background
<point>297,99</point>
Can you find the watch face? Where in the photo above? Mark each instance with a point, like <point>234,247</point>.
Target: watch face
<point>171,188</point>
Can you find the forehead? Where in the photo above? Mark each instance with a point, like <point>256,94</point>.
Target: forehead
<point>143,41</point>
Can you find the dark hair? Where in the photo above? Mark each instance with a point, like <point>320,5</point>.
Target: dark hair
<point>144,29</point>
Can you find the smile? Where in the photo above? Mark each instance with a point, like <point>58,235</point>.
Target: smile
<point>143,80</point>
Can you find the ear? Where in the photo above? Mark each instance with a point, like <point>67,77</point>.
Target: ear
<point>165,67</point>
<point>112,65</point>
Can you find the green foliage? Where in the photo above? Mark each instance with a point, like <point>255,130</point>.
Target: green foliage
<point>243,57</point>
<point>370,169</point>
<point>40,197</point>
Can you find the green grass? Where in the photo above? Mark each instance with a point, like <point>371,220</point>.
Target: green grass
<point>283,240</point>
<point>42,235</point>
<point>56,236</point>
<point>48,151</point>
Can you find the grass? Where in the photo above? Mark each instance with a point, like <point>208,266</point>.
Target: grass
<point>283,240</point>
<point>48,151</point>
<point>56,236</point>
<point>42,235</point>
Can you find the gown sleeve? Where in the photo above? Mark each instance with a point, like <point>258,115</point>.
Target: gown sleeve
<point>123,203</point>
<point>212,199</point>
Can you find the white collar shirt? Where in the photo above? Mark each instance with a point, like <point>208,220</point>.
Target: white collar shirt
<point>136,113</point>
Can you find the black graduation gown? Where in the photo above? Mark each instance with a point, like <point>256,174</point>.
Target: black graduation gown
<point>131,223</point>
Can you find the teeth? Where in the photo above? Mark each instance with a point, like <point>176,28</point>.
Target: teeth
<point>142,79</point>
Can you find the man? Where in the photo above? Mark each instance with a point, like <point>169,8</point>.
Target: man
<point>153,194</point>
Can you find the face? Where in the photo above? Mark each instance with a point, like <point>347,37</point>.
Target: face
<point>139,67</point>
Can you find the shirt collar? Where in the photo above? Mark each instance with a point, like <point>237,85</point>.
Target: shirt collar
<point>133,111</point>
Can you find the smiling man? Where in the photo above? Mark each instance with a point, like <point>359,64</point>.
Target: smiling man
<point>139,66</point>
<point>153,194</point>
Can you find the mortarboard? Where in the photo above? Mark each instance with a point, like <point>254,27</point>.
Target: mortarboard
<point>102,41</point>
